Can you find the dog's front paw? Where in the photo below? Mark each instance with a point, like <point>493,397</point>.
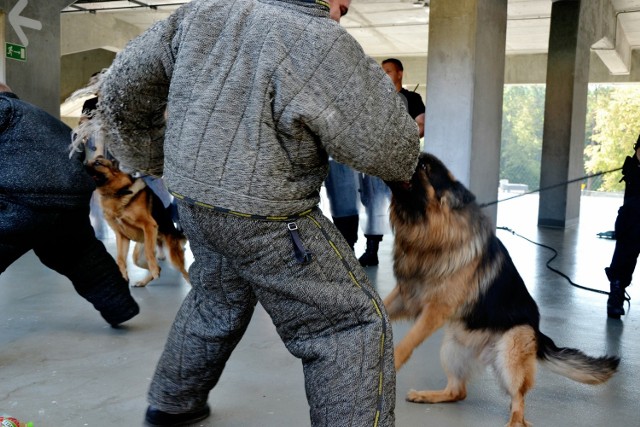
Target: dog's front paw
<point>124,274</point>
<point>415,397</point>
<point>436,396</point>
<point>144,282</point>
<point>140,284</point>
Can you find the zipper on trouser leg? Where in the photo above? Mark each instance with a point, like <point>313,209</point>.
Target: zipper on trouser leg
<point>375,306</point>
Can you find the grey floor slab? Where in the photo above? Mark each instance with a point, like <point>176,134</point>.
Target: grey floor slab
<point>62,366</point>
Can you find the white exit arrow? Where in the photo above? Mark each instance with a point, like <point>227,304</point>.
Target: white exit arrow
<point>17,21</point>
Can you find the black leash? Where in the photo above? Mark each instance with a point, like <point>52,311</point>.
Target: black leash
<point>555,254</point>
<point>550,187</point>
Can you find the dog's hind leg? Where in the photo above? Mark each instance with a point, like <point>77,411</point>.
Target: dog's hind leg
<point>515,365</point>
<point>160,250</point>
<point>138,256</point>
<point>122,245</point>
<point>458,362</point>
<point>176,254</point>
<point>150,241</point>
<point>140,260</point>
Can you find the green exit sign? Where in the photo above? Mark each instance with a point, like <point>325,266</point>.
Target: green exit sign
<point>15,51</point>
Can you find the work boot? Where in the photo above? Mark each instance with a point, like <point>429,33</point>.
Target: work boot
<point>615,303</point>
<point>156,417</point>
<point>348,227</point>
<point>370,256</point>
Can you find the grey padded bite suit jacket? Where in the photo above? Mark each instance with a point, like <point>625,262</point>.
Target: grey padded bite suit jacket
<point>258,94</point>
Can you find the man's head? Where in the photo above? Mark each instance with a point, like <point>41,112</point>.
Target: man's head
<point>393,67</point>
<point>4,87</point>
<point>338,8</point>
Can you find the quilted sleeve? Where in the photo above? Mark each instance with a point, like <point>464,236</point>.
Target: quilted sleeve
<point>360,119</point>
<point>133,96</point>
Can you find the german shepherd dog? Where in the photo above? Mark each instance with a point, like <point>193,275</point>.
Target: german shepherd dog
<point>135,213</point>
<point>453,271</point>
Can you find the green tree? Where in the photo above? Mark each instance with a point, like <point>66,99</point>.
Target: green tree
<point>598,99</point>
<point>616,126</point>
<point>522,119</point>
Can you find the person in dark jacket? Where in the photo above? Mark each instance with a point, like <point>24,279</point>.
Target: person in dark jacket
<point>627,232</point>
<point>44,207</point>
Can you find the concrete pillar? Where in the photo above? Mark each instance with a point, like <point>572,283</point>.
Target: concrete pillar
<point>564,116</point>
<point>465,79</point>
<point>32,67</point>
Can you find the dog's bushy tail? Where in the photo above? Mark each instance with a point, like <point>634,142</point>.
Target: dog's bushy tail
<point>574,364</point>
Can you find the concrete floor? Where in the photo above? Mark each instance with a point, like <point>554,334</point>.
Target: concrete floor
<point>62,365</point>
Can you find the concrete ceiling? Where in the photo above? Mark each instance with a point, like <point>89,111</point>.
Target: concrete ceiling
<point>384,28</point>
<point>400,27</point>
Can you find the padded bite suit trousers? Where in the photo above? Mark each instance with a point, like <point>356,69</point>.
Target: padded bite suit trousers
<point>324,310</point>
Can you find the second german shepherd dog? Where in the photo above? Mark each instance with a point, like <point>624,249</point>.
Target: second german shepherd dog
<point>135,213</point>
<point>453,271</point>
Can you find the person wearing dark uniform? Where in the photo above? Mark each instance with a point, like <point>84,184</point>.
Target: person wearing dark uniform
<point>44,207</point>
<point>627,233</point>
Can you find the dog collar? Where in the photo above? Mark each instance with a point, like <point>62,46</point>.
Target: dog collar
<point>128,193</point>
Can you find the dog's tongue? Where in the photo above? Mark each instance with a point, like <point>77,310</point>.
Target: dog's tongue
<point>406,185</point>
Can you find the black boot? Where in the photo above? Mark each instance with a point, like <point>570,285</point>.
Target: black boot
<point>348,227</point>
<point>156,417</point>
<point>615,303</point>
<point>370,256</point>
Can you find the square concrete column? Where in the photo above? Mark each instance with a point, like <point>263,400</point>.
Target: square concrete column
<point>32,67</point>
<point>465,79</point>
<point>564,116</point>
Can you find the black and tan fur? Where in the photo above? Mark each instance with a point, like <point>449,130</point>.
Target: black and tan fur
<point>453,272</point>
<point>135,213</point>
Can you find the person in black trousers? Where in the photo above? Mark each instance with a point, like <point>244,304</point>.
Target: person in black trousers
<point>44,207</point>
<point>627,232</point>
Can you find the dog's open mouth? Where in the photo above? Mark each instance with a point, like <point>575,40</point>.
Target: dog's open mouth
<point>400,185</point>
<point>98,178</point>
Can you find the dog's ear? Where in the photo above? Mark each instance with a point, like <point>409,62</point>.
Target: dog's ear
<point>448,190</point>
<point>457,196</point>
